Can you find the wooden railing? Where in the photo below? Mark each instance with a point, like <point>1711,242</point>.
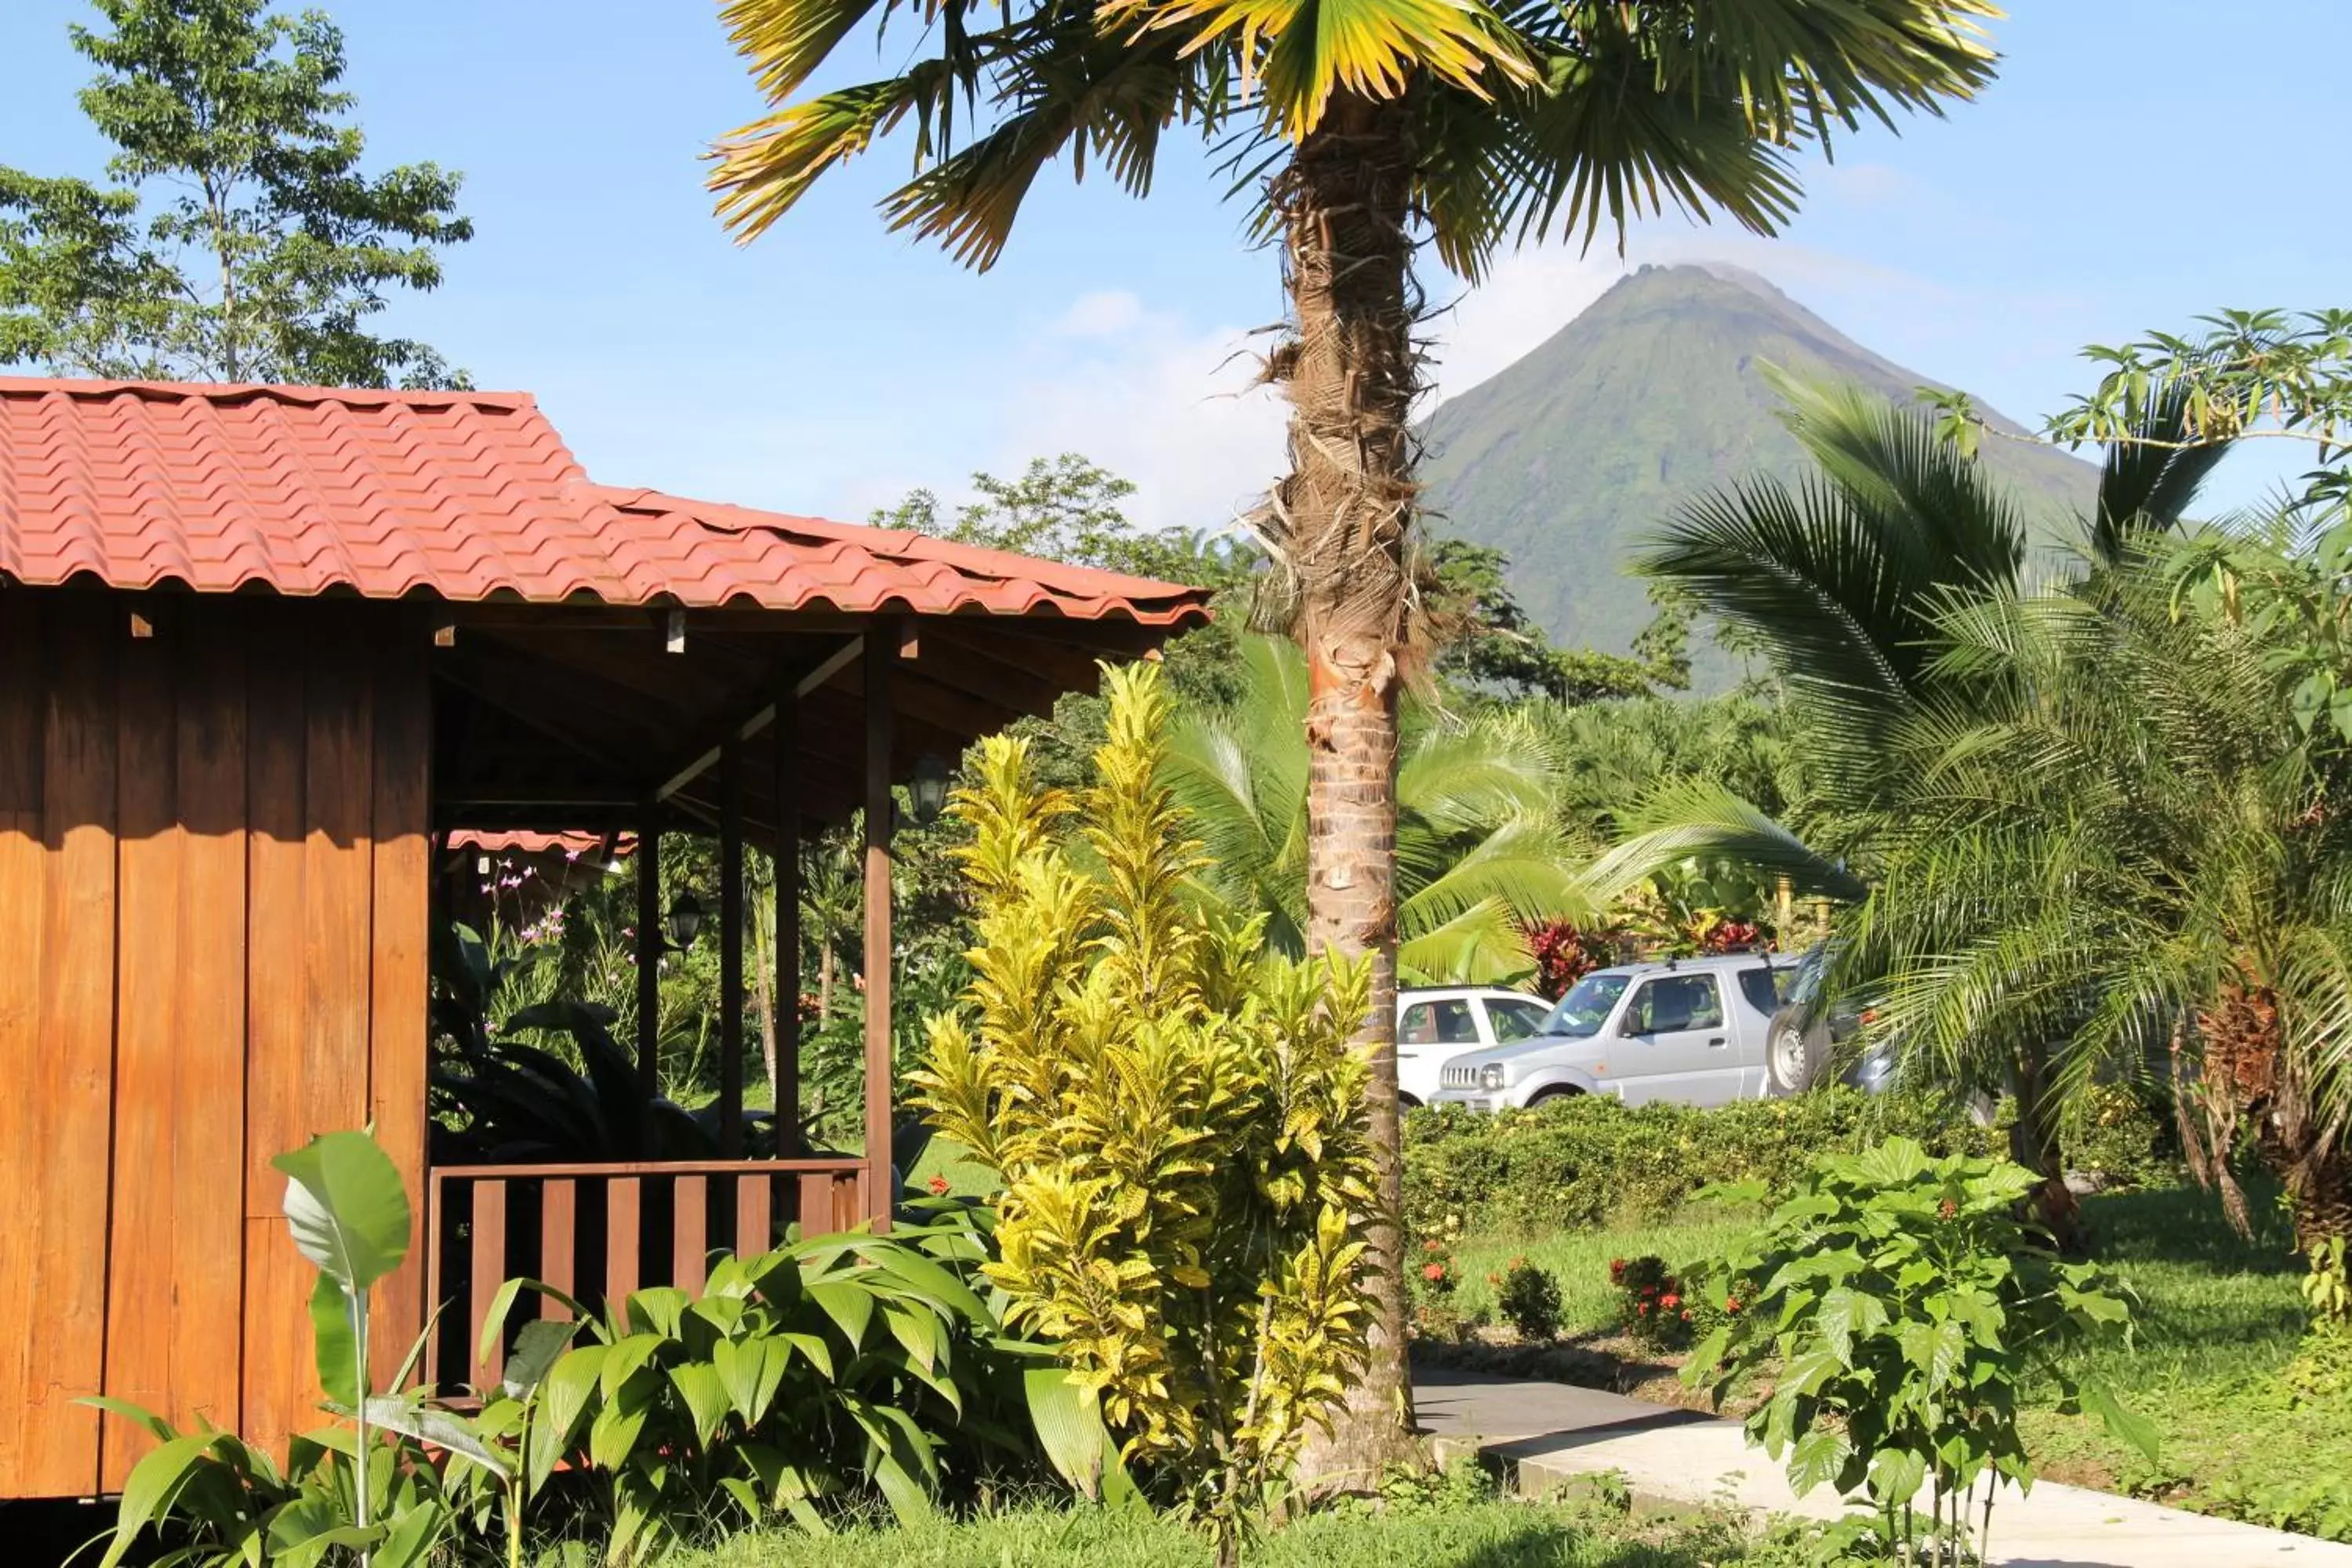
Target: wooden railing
<point>598,1232</point>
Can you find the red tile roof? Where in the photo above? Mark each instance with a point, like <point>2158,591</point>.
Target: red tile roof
<point>462,495</point>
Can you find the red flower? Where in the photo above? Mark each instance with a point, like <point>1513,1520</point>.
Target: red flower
<point>1685,1317</point>
<point>1494,1279</point>
<point>1617,1270</point>
<point>1642,1307</point>
<point>1670,1300</point>
<point>1433,1247</point>
<point>1731,1304</point>
<point>1648,1291</point>
<point>939,1186</point>
<point>1434,1272</point>
<point>1947,1208</point>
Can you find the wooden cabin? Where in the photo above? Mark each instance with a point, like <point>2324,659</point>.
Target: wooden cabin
<point>260,649</point>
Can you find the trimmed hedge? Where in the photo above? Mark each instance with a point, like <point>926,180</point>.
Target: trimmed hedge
<point>1591,1159</point>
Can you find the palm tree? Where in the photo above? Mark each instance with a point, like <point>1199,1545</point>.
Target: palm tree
<point>1359,132</point>
<point>2135,849</point>
<point>1480,848</point>
<point>1845,581</point>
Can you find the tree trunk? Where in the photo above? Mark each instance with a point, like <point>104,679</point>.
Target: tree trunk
<point>2323,1200</point>
<point>764,989</point>
<point>1340,521</point>
<point>2033,1144</point>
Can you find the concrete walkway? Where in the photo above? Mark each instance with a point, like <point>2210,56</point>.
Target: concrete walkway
<point>1549,1432</point>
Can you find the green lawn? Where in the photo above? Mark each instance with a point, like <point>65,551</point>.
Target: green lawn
<point>1466,1534</point>
<point>2219,1318</point>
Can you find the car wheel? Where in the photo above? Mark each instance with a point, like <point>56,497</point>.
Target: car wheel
<point>1555,1092</point>
<point>1406,1101</point>
<point>1792,1056</point>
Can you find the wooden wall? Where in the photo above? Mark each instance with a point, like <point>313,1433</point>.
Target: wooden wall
<point>213,925</point>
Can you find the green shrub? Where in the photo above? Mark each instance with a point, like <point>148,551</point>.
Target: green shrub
<point>2113,1132</point>
<point>828,1373</point>
<point>1903,1308</point>
<point>1591,1159</point>
<point>1528,1298</point>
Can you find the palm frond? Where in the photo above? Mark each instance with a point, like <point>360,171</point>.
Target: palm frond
<point>1701,819</point>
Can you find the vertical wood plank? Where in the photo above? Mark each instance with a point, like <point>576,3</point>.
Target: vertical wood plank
<point>689,1232</point>
<point>559,1215</point>
<point>398,989</point>
<point>786,788</point>
<point>813,1204</point>
<point>23,881</point>
<point>488,1273</point>
<point>64,1206</point>
<point>142,1250</point>
<point>209,1142</point>
<point>278,1361</point>
<point>880,654</point>
<point>621,1234</point>
<point>731,949</point>
<point>755,1222</point>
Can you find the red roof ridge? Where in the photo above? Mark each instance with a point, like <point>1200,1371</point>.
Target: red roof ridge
<point>970,560</point>
<point>249,391</point>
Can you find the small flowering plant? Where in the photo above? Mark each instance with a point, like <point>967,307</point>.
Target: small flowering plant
<point>1654,1305</point>
<point>1434,1271</point>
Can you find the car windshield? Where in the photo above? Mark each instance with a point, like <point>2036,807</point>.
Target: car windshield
<point>1587,1005</point>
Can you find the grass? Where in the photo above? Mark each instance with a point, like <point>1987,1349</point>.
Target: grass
<point>1487,1534</point>
<point>2219,1317</point>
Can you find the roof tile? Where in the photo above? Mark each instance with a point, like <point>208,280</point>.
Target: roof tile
<point>463,495</point>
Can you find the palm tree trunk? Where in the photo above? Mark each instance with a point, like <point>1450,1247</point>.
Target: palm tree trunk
<point>1342,519</point>
<point>2033,1144</point>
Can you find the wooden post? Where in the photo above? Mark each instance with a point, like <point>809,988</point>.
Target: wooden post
<point>880,653</point>
<point>649,947</point>
<point>731,949</point>
<point>786,731</point>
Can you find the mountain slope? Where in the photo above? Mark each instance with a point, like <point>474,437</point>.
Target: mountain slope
<point>1568,456</point>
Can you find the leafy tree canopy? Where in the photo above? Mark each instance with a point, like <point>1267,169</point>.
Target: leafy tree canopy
<point>1489,642</point>
<point>238,239</point>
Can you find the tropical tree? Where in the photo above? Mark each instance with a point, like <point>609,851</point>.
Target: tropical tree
<point>270,248</point>
<point>1843,582</point>
<point>2130,846</point>
<point>1480,848</point>
<point>1358,133</point>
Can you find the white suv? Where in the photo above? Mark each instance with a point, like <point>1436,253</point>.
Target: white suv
<point>1691,1030</point>
<point>1436,1024</point>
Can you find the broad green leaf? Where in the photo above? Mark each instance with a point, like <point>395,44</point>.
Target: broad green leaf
<point>613,1435</point>
<point>1069,1426</point>
<point>431,1425</point>
<point>914,1269</point>
<point>412,1538</point>
<point>849,1305</point>
<point>752,1371</point>
<point>1817,1457</point>
<point>916,1328</point>
<point>147,1494</point>
<point>542,1340</point>
<point>622,1360</point>
<point>335,1340</point>
<point>1896,1474</point>
<point>347,1207</point>
<point>2129,1427</point>
<point>698,1385</point>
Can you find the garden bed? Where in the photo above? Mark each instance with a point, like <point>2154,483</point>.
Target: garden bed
<point>2218,1361</point>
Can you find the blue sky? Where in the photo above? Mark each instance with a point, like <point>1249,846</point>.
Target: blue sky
<point>2139,161</point>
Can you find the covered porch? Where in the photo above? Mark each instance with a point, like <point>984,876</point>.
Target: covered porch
<point>754,728</point>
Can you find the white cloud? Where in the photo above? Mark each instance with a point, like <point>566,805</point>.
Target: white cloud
<point>1157,400</point>
<point>1103,313</point>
